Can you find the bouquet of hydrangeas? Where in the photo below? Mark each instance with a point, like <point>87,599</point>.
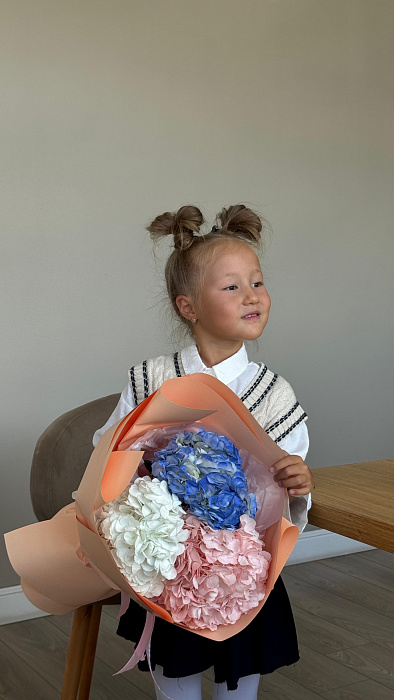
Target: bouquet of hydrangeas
<point>187,538</point>
<point>200,544</point>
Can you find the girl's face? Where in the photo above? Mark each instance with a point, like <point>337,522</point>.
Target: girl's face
<point>234,304</point>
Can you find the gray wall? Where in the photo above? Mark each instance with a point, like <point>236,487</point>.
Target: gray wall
<point>115,111</point>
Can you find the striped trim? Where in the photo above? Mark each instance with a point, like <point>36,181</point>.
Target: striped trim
<point>254,385</point>
<point>264,394</point>
<point>176,363</point>
<point>281,420</point>
<point>304,415</point>
<point>145,376</point>
<point>132,379</point>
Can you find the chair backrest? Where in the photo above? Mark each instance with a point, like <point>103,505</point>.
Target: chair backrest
<point>62,453</point>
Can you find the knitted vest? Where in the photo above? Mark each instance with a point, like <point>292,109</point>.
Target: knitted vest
<point>269,398</point>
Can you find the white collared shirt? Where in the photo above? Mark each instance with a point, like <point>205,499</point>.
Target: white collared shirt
<point>237,373</point>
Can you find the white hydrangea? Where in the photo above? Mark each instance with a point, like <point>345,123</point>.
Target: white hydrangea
<point>144,527</point>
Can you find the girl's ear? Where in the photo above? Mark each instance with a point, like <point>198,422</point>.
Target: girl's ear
<point>185,306</point>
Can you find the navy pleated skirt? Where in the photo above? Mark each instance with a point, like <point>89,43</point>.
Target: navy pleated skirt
<point>267,643</point>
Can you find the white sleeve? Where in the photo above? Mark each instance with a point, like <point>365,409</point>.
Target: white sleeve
<point>124,406</point>
<point>297,443</point>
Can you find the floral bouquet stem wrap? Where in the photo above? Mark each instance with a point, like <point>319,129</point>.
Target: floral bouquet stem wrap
<point>52,556</point>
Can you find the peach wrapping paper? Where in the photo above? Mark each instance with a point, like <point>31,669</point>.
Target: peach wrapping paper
<point>51,556</point>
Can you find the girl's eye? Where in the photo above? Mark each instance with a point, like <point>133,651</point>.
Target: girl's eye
<point>257,284</point>
<point>231,287</point>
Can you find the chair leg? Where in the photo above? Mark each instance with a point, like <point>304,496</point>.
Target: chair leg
<point>76,652</point>
<point>90,651</point>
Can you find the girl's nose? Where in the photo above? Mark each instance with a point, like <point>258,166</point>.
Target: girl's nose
<point>251,296</point>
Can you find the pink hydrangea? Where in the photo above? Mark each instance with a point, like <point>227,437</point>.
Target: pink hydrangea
<point>220,576</point>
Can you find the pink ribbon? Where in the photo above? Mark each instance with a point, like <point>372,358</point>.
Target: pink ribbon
<point>124,604</point>
<point>143,647</point>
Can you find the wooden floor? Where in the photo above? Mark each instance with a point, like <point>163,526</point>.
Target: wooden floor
<point>344,610</point>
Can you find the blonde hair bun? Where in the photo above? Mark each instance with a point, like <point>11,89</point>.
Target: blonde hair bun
<point>182,225</point>
<point>240,222</point>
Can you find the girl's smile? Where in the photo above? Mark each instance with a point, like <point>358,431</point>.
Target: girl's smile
<point>251,317</point>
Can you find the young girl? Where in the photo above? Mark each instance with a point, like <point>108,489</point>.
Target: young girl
<point>216,288</point>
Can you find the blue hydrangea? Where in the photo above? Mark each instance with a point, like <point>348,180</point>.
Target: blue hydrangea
<point>204,470</point>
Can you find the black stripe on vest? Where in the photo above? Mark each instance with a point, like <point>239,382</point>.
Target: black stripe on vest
<point>145,376</point>
<point>281,420</point>
<point>176,364</point>
<point>304,415</point>
<point>256,383</point>
<point>132,379</point>
<point>264,394</point>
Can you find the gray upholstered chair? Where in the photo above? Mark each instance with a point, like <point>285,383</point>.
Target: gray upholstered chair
<point>60,457</point>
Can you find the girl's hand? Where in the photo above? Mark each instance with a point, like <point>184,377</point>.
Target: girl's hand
<point>293,474</point>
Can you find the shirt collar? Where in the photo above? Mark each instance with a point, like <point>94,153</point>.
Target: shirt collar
<point>226,371</point>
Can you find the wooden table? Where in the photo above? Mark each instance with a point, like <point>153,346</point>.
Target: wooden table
<point>356,500</point>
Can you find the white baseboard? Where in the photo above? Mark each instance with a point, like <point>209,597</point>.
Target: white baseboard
<point>314,544</point>
<point>15,607</point>
<point>323,544</point>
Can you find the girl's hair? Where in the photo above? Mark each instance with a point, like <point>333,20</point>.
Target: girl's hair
<point>192,249</point>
